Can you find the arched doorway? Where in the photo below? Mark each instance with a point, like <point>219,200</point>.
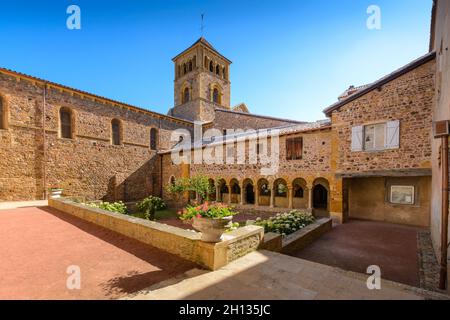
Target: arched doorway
<point>300,194</point>
<point>248,191</point>
<point>281,193</point>
<point>223,191</point>
<point>320,197</point>
<point>264,192</point>
<point>235,193</point>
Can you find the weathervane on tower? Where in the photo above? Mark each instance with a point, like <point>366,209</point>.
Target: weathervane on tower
<point>202,26</point>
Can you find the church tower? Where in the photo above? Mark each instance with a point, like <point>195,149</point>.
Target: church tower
<point>201,82</point>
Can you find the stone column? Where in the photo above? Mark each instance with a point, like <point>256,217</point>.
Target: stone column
<point>256,196</point>
<point>241,186</point>
<point>272,196</point>
<point>310,199</point>
<point>218,194</point>
<point>229,195</point>
<point>291,197</point>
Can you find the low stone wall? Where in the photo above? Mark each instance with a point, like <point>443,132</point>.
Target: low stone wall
<point>183,243</point>
<point>298,240</point>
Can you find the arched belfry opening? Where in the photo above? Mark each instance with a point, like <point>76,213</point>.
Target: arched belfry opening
<point>201,78</point>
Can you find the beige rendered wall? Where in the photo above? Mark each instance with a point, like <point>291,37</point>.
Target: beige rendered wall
<point>368,200</point>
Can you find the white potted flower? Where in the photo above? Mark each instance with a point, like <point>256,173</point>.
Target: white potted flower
<point>210,219</point>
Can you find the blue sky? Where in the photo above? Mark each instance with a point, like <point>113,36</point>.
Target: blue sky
<point>291,58</point>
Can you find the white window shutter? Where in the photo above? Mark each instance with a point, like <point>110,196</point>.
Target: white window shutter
<point>393,135</point>
<point>357,138</point>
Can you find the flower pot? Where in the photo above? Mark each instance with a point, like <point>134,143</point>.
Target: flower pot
<point>211,229</point>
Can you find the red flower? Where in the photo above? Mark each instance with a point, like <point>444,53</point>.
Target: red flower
<point>199,216</point>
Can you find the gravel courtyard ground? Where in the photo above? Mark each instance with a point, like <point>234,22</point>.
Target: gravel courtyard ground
<point>37,245</point>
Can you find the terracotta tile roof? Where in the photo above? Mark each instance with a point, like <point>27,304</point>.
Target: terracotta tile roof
<point>204,42</point>
<point>377,84</point>
<point>259,116</point>
<point>283,130</point>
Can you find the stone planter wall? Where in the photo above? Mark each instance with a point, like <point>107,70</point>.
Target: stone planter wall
<point>298,240</point>
<point>183,243</point>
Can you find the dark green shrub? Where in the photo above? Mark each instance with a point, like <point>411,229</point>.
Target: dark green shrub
<point>149,206</point>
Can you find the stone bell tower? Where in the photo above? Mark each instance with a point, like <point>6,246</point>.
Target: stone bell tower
<point>201,82</point>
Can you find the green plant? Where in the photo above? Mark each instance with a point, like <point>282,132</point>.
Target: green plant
<point>178,186</point>
<point>150,205</point>
<point>206,210</point>
<point>198,184</point>
<point>233,226</point>
<point>286,223</point>
<point>118,207</point>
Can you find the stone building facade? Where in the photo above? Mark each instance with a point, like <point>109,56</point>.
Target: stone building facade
<point>361,163</point>
<point>35,156</point>
<point>440,43</point>
<point>383,134</point>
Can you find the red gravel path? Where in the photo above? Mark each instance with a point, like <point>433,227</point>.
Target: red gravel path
<point>37,245</point>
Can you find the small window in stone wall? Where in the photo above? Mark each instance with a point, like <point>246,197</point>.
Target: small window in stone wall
<point>375,137</point>
<point>2,115</point>
<point>294,149</point>
<point>115,132</point>
<point>216,96</point>
<point>65,118</point>
<point>153,139</point>
<point>186,95</point>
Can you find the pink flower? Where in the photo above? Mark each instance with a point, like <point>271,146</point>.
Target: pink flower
<point>199,216</point>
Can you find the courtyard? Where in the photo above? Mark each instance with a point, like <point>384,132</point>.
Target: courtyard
<point>357,244</point>
<point>38,244</point>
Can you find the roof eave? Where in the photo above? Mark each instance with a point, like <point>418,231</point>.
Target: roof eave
<point>381,82</point>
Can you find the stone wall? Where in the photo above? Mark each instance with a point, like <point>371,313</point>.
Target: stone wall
<point>87,165</point>
<point>183,243</point>
<point>314,168</point>
<point>408,99</point>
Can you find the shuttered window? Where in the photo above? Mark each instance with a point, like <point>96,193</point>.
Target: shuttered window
<point>376,137</point>
<point>65,118</point>
<point>294,149</point>
<point>393,135</point>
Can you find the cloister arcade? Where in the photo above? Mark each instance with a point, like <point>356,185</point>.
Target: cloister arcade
<point>274,193</point>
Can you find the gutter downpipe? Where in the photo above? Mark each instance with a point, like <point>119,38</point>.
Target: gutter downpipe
<point>444,217</point>
<point>160,161</point>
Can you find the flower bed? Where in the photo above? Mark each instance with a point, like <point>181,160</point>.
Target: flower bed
<point>207,210</point>
<point>118,207</point>
<point>286,223</point>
